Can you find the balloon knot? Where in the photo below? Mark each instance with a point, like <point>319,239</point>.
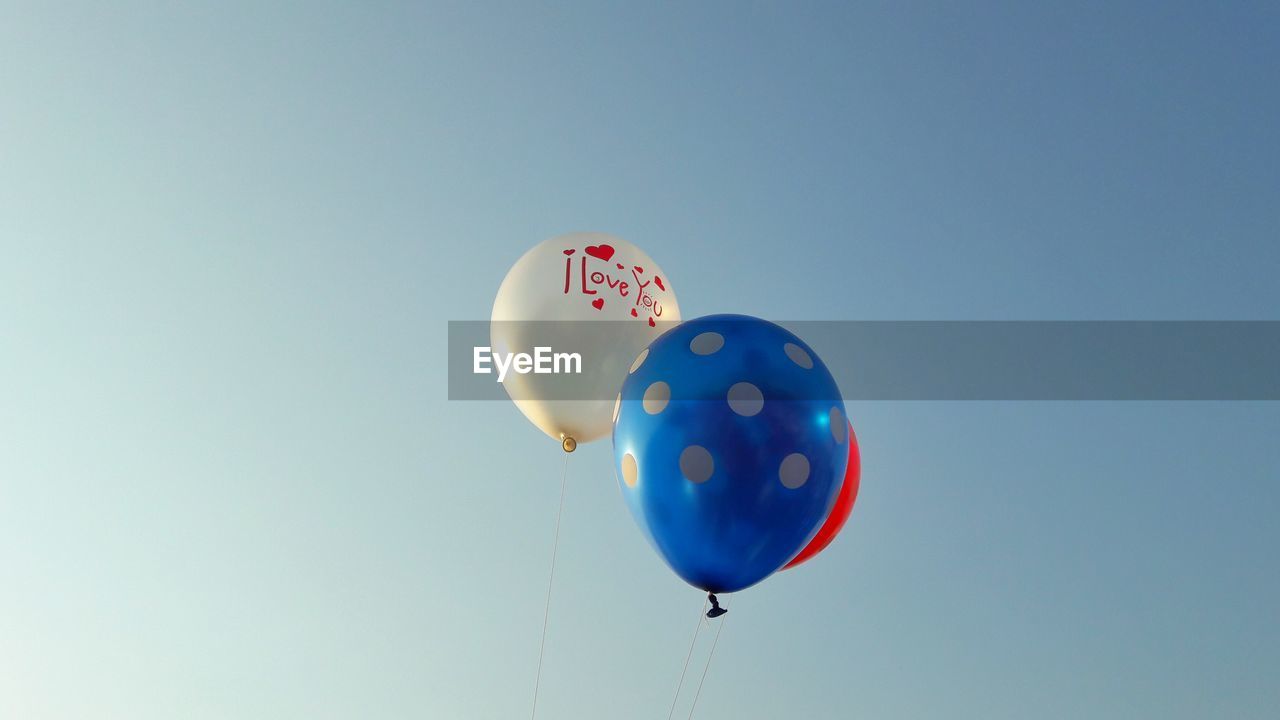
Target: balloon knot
<point>715,611</point>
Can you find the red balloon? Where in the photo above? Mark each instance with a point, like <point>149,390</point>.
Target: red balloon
<point>840,511</point>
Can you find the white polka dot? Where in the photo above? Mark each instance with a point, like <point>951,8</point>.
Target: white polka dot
<point>794,471</point>
<point>745,399</point>
<point>838,428</point>
<point>706,343</point>
<point>656,397</point>
<point>639,360</point>
<point>629,470</point>
<point>798,355</point>
<point>696,464</point>
<point>617,406</point>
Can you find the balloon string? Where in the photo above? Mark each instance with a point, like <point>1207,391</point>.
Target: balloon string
<point>710,655</point>
<point>546,611</point>
<point>701,612</point>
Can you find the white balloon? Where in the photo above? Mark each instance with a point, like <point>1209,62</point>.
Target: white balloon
<point>549,298</point>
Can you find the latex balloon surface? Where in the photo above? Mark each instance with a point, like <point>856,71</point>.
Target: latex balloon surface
<point>839,515</point>
<point>592,294</point>
<point>730,445</point>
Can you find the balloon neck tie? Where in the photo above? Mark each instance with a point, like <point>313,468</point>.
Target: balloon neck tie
<point>715,611</point>
<point>567,443</point>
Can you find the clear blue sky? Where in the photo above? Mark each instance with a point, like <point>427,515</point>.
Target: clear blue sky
<point>231,236</point>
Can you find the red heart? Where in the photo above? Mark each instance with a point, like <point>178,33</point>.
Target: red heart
<point>638,269</point>
<point>633,313</point>
<point>597,303</point>
<point>604,252</point>
<point>570,251</point>
<point>658,281</point>
<point>651,322</point>
<point>619,266</point>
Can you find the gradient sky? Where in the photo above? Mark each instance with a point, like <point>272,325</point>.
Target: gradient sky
<point>231,236</point>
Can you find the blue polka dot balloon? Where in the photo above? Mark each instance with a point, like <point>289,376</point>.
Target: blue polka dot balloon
<point>731,442</point>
